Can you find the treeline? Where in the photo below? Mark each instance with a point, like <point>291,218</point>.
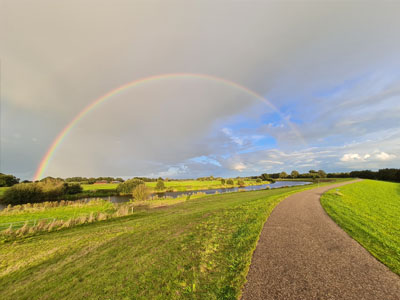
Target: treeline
<point>8,180</point>
<point>382,174</point>
<point>293,175</point>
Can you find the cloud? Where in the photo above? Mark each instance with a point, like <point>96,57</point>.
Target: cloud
<point>384,156</point>
<point>351,157</point>
<point>335,76</point>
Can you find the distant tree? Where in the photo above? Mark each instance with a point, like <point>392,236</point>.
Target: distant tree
<point>312,171</point>
<point>264,176</point>
<point>72,188</point>
<point>283,175</point>
<point>229,181</point>
<point>141,192</point>
<point>258,180</point>
<point>241,183</point>
<point>160,185</point>
<point>294,174</point>
<point>8,180</point>
<point>128,186</point>
<point>321,173</point>
<point>223,181</point>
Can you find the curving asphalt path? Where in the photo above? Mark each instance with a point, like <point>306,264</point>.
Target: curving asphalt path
<point>303,254</point>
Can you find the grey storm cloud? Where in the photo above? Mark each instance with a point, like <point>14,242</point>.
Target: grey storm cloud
<point>58,56</point>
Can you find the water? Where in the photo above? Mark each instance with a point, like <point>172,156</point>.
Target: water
<point>278,184</point>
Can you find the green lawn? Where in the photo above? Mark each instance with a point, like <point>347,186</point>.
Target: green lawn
<point>105,186</point>
<point>198,249</point>
<point>369,211</point>
<point>60,212</point>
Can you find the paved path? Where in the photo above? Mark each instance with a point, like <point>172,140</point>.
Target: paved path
<point>303,254</point>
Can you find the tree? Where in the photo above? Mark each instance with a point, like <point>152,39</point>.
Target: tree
<point>223,181</point>
<point>294,174</point>
<point>160,185</point>
<point>8,180</point>
<point>141,192</point>
<point>128,186</point>
<point>229,181</point>
<point>283,175</point>
<point>241,183</point>
<point>321,173</point>
<point>258,180</point>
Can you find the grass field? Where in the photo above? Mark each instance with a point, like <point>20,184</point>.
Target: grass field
<point>181,185</point>
<point>105,186</point>
<point>369,211</point>
<point>198,249</point>
<point>60,212</point>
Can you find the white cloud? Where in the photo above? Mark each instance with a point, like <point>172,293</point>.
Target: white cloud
<point>52,68</point>
<point>351,157</point>
<point>384,156</point>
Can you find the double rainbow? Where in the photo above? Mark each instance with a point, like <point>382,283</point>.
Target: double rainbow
<point>61,136</point>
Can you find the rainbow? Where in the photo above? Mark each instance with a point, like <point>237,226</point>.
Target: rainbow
<point>61,136</point>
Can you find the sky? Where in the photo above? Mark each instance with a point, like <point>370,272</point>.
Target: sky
<point>329,73</point>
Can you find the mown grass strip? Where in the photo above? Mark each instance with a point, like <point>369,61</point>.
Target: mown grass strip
<point>369,211</point>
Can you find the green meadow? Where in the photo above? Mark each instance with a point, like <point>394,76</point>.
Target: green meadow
<point>103,186</point>
<point>178,185</point>
<point>47,211</point>
<point>369,211</point>
<point>197,249</point>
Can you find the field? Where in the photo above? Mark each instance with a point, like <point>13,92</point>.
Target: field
<point>198,249</point>
<point>181,185</point>
<point>103,186</point>
<point>60,212</point>
<point>369,211</point>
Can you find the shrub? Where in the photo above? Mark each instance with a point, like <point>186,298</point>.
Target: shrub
<point>128,186</point>
<point>23,193</point>
<point>229,181</point>
<point>72,188</point>
<point>258,180</point>
<point>241,183</point>
<point>160,185</point>
<point>223,181</point>
<point>141,192</point>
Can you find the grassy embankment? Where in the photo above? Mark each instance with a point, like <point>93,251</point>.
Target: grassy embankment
<point>369,211</point>
<point>198,249</point>
<point>23,213</point>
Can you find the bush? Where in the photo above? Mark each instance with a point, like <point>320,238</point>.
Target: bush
<point>23,193</point>
<point>72,188</point>
<point>128,186</point>
<point>258,180</point>
<point>160,185</point>
<point>223,181</point>
<point>241,183</point>
<point>141,192</point>
<point>229,181</point>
